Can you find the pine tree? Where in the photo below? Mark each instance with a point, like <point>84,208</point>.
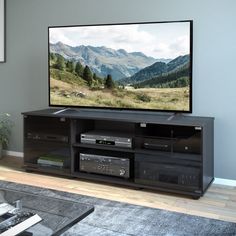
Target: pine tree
<point>60,64</point>
<point>52,56</point>
<point>109,83</point>
<point>87,75</point>
<point>70,66</point>
<point>94,76</point>
<point>79,69</point>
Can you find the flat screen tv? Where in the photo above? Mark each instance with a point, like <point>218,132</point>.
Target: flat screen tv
<point>145,66</point>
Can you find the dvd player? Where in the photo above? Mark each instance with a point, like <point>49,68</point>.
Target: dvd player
<point>106,138</point>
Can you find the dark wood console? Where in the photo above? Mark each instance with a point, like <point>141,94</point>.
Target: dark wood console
<point>173,154</point>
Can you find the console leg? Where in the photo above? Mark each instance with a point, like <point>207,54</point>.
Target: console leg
<point>195,197</point>
<point>138,188</point>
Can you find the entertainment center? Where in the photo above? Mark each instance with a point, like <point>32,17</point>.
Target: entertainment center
<point>131,148</point>
<point>117,135</point>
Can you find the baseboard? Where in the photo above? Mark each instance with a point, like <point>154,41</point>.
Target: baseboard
<point>12,153</point>
<point>227,182</point>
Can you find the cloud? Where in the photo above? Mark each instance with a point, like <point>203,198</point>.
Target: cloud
<point>177,47</point>
<point>131,37</point>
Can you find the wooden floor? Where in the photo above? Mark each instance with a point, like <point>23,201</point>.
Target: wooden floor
<point>219,202</point>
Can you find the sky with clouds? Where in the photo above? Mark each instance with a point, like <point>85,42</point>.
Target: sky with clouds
<point>163,40</point>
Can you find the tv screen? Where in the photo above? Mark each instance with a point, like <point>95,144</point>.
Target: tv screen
<point>144,66</point>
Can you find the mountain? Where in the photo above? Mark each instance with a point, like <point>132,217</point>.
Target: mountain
<point>103,61</point>
<point>157,69</point>
<point>178,62</point>
<point>178,77</point>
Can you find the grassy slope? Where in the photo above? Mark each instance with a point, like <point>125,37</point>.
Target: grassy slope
<point>161,98</point>
<point>66,77</point>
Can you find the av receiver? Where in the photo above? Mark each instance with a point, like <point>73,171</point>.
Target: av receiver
<point>106,165</point>
<point>106,138</point>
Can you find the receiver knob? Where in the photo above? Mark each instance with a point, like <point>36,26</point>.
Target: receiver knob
<point>122,171</point>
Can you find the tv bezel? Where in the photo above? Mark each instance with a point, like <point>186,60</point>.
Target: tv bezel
<point>129,109</point>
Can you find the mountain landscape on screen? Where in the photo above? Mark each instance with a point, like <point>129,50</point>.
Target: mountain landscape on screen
<point>103,61</point>
<point>101,76</point>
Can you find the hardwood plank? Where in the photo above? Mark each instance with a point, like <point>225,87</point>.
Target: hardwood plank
<point>219,202</point>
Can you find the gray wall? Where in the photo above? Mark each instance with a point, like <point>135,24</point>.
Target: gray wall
<point>23,78</point>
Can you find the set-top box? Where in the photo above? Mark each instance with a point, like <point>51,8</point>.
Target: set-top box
<point>48,137</point>
<point>106,138</point>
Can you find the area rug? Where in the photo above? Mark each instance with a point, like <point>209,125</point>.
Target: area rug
<point>112,218</point>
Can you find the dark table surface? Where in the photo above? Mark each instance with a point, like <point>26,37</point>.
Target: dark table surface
<point>58,215</point>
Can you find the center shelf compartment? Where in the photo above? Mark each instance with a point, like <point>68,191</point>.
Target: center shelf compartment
<point>82,126</point>
<point>108,164</point>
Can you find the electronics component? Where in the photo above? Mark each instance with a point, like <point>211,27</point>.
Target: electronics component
<point>106,165</point>
<point>106,138</point>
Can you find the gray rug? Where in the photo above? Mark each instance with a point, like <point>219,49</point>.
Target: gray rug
<point>112,218</point>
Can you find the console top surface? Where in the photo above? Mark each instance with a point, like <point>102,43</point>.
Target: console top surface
<point>123,115</point>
